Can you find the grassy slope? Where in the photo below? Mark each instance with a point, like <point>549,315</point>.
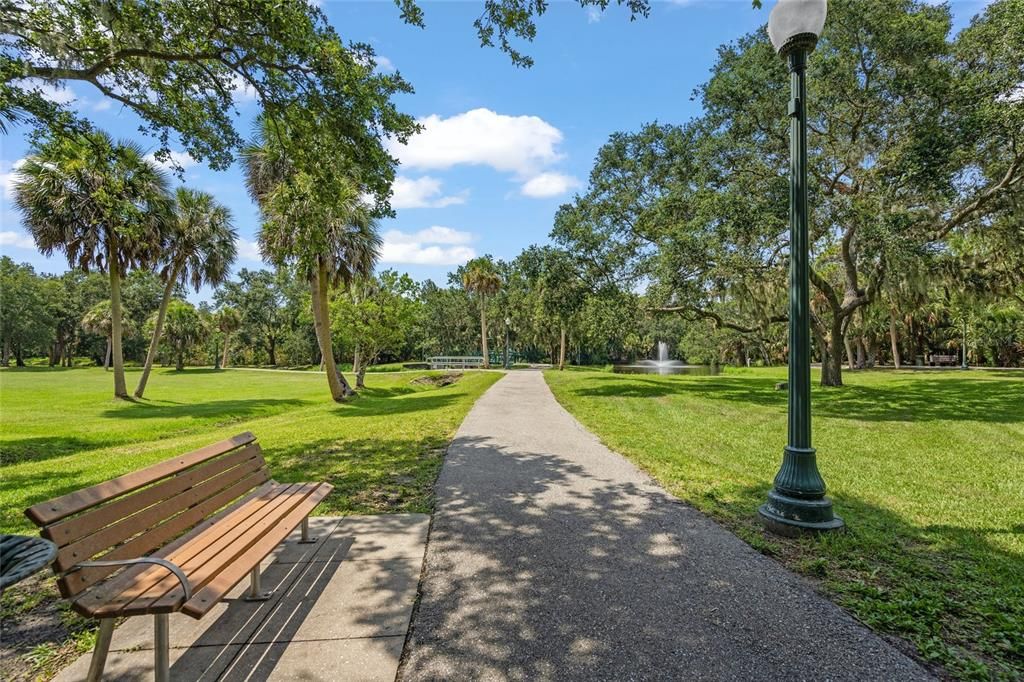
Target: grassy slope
<point>61,431</point>
<point>926,468</point>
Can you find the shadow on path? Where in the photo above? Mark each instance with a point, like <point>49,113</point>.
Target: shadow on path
<point>552,558</point>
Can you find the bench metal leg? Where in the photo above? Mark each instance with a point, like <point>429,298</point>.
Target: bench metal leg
<point>162,647</point>
<point>306,540</point>
<point>256,592</point>
<point>99,654</point>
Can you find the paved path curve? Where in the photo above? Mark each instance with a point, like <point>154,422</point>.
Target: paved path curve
<point>551,557</point>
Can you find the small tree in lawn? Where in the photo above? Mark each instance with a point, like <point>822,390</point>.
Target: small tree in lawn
<point>200,250</point>
<point>97,321</point>
<point>183,328</point>
<point>481,278</point>
<point>314,220</point>
<point>376,315</point>
<point>100,202</point>
<point>228,321</point>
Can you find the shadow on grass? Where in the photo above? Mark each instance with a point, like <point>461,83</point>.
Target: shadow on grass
<point>370,475</point>
<point>919,398</point>
<point>44,448</point>
<point>233,409</point>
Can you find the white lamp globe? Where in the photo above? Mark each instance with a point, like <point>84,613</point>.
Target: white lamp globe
<point>796,22</point>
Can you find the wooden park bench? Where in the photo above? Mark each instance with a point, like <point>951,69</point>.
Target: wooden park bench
<point>175,536</point>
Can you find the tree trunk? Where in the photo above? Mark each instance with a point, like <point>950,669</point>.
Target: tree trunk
<point>157,331</point>
<point>106,354</point>
<point>831,353</point>
<point>340,390</point>
<point>7,353</point>
<point>361,376</point>
<point>561,349</point>
<point>850,362</point>
<point>19,357</point>
<point>359,367</point>
<point>483,331</point>
<point>271,351</point>
<point>894,339</point>
<point>180,361</point>
<point>224,358</point>
<point>120,387</point>
<point>861,353</point>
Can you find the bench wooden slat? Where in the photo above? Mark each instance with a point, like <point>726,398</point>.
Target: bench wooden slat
<point>211,552</point>
<point>73,583</point>
<point>75,528</point>
<point>150,516</point>
<point>208,565</point>
<point>112,598</point>
<point>61,507</point>
<point>85,604</point>
<point>206,598</point>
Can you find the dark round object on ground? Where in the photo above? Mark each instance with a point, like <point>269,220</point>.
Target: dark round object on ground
<point>21,556</point>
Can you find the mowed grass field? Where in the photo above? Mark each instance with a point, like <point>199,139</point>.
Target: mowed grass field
<point>927,469</point>
<point>61,430</point>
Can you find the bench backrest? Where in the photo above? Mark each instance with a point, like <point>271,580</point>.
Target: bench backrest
<point>133,515</point>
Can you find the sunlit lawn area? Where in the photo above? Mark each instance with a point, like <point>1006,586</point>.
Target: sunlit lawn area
<point>61,431</point>
<point>927,469</point>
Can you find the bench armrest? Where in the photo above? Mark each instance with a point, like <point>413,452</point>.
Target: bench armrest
<point>170,566</point>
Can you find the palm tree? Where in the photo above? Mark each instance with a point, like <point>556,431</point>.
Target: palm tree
<point>100,202</point>
<point>184,329</point>
<point>97,321</point>
<point>319,225</point>
<point>480,277</point>
<point>228,321</point>
<point>200,250</point>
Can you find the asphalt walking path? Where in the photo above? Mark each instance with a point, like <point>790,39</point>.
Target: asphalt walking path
<point>552,557</point>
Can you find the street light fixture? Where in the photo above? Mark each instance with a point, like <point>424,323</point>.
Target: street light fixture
<point>508,325</point>
<point>797,502</point>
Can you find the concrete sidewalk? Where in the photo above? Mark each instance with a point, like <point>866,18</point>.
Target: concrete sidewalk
<point>551,557</point>
<point>340,611</point>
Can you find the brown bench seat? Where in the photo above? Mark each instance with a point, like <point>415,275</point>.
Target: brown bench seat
<point>175,536</point>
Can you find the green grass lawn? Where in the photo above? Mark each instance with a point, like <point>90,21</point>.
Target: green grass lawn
<point>927,469</point>
<point>60,430</point>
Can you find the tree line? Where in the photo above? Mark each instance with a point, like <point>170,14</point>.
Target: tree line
<point>916,164</point>
<point>917,172</point>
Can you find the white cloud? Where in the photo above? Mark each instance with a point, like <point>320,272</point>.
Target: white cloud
<point>242,91</point>
<point>55,93</point>
<point>523,145</point>
<point>383,63</point>
<point>436,245</point>
<point>435,234</point>
<point>182,159</point>
<point>16,239</point>
<point>102,105</point>
<point>248,250</point>
<point>549,185</point>
<point>7,177</point>
<point>422,192</point>
<point>593,15</point>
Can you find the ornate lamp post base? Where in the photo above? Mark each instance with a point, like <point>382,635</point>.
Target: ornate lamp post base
<point>793,517</point>
<point>796,503</point>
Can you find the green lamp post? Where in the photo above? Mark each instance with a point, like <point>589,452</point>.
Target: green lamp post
<point>797,503</point>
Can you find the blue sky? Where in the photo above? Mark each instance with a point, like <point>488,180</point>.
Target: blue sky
<point>503,146</point>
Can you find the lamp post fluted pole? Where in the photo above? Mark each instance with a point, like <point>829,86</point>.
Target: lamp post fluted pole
<point>797,502</point>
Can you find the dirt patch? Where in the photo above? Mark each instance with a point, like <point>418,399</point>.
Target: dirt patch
<point>437,380</point>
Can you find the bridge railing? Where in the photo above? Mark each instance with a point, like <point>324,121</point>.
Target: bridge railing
<point>455,361</point>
